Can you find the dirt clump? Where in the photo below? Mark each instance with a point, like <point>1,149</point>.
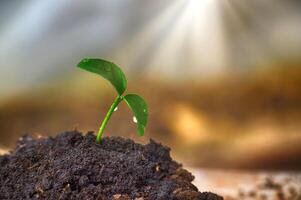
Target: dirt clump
<point>73,166</point>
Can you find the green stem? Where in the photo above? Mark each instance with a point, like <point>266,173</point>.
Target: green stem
<point>107,117</point>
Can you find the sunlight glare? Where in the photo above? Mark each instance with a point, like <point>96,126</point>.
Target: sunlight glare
<point>187,34</point>
<point>195,5</point>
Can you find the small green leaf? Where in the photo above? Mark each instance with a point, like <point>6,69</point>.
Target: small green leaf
<point>140,110</point>
<point>107,70</point>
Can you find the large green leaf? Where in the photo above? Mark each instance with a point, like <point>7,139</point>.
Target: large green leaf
<point>107,70</point>
<point>140,110</point>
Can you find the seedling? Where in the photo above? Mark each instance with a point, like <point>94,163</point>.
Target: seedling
<point>116,77</point>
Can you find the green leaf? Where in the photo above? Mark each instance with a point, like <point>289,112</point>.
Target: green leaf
<point>140,110</point>
<point>107,70</point>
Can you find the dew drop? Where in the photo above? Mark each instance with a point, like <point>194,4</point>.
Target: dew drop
<point>135,120</point>
<point>115,109</point>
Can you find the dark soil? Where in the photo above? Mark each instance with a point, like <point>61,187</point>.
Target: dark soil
<point>73,166</point>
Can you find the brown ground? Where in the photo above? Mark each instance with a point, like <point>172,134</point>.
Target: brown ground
<point>73,166</point>
<point>250,185</point>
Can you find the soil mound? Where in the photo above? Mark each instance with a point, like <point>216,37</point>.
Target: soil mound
<point>73,166</point>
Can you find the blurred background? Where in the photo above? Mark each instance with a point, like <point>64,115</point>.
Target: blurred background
<point>222,77</point>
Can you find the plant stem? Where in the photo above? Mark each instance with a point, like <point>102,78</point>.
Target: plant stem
<point>107,117</point>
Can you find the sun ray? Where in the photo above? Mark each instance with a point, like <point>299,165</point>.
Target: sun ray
<point>180,36</point>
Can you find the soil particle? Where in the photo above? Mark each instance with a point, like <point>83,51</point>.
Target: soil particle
<point>73,166</point>
<point>279,188</point>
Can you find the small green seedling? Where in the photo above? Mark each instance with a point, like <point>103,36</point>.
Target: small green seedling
<point>115,75</point>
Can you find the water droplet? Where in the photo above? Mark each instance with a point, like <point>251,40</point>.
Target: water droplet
<point>115,109</point>
<point>135,120</point>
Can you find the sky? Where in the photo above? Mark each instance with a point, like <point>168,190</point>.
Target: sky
<point>190,39</point>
